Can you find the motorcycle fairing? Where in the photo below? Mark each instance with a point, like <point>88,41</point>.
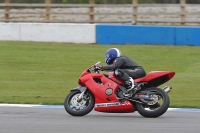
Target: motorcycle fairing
<point>156,74</point>
<point>153,78</point>
<point>99,89</point>
<point>101,99</point>
<point>115,107</point>
<point>156,78</point>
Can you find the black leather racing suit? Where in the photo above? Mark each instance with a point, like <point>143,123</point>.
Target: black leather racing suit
<point>124,67</point>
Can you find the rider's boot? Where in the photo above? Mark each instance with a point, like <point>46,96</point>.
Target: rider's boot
<point>131,86</point>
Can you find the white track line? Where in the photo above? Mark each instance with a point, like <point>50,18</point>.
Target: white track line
<point>61,106</point>
<point>19,105</point>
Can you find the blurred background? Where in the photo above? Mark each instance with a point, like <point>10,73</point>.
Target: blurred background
<point>103,1</point>
<point>35,72</point>
<point>156,12</point>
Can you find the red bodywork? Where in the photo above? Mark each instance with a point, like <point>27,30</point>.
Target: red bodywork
<point>109,103</point>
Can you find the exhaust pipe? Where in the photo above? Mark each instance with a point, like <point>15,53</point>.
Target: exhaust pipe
<point>167,89</point>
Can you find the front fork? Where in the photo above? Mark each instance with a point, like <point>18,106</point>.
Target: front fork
<point>81,95</point>
<point>83,91</point>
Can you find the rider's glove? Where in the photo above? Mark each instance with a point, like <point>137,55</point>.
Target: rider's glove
<point>98,67</point>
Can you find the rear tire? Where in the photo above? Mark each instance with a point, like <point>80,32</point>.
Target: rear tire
<point>157,109</point>
<point>79,108</point>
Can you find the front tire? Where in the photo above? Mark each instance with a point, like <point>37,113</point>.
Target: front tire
<point>77,107</point>
<point>157,109</point>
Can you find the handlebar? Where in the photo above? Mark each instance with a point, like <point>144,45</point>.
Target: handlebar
<point>97,63</point>
<point>94,68</point>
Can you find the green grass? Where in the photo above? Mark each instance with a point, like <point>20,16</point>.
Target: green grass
<point>43,73</point>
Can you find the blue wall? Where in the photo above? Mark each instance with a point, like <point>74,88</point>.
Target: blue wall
<point>187,36</point>
<point>131,34</point>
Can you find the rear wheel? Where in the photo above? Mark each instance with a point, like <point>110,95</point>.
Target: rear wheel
<point>156,107</point>
<point>79,107</point>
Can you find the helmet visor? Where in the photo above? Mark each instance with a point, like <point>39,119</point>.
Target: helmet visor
<point>107,58</point>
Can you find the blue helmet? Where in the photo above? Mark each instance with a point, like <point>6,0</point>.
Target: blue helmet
<point>112,54</point>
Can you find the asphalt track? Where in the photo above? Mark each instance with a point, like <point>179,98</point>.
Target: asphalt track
<point>54,119</point>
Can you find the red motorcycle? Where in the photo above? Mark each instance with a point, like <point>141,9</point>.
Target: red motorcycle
<point>106,93</point>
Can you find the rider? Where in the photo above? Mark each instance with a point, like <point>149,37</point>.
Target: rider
<point>124,68</point>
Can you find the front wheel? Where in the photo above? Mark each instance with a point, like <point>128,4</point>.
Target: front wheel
<point>157,107</point>
<point>79,107</point>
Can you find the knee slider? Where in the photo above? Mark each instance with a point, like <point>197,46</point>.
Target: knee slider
<point>118,73</point>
